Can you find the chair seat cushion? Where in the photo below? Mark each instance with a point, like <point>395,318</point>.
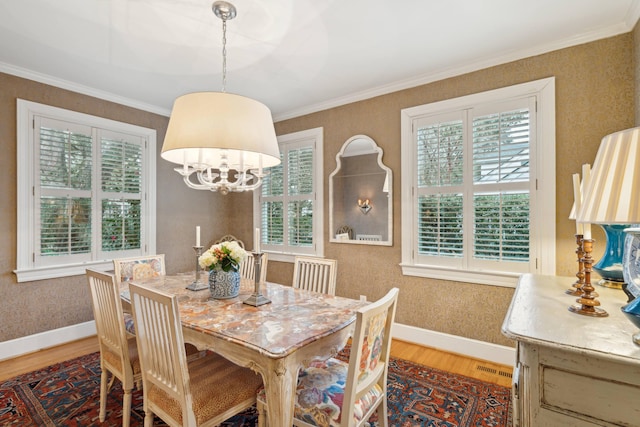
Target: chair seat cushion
<point>320,391</point>
<point>114,359</point>
<point>216,386</point>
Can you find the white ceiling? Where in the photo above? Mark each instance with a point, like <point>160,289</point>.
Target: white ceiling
<point>296,56</point>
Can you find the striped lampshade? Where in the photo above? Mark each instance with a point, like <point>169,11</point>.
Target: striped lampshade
<point>612,195</point>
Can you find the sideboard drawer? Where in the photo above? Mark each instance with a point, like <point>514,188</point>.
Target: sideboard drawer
<point>589,396</point>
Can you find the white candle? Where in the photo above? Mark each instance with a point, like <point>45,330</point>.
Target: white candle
<point>184,162</point>
<point>577,200</point>
<point>198,235</point>
<point>256,240</point>
<point>586,177</point>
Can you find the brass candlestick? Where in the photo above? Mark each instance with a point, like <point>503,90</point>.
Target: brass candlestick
<point>576,288</point>
<point>257,298</point>
<point>197,285</point>
<point>587,303</point>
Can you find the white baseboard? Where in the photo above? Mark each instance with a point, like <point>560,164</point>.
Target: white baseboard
<point>456,344</point>
<point>452,343</point>
<point>42,340</point>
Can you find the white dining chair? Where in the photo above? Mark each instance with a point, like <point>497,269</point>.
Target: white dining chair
<point>229,238</point>
<point>118,350</point>
<point>315,274</point>
<point>248,269</point>
<point>338,393</point>
<point>182,391</point>
<point>136,268</point>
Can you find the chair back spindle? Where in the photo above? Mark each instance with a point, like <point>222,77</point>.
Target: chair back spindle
<point>315,274</point>
<point>248,270</point>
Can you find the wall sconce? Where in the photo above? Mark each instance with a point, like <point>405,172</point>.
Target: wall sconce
<point>364,205</point>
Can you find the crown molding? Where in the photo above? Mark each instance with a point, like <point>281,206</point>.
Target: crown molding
<point>442,74</point>
<point>78,88</point>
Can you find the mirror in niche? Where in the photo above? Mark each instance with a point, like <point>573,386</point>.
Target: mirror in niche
<point>360,195</point>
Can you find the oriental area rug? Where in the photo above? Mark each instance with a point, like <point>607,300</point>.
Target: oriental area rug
<point>68,394</point>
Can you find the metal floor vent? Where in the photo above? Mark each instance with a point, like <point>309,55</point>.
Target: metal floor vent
<point>493,371</point>
<point>505,374</point>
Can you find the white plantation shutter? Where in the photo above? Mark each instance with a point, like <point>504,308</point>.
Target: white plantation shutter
<point>300,205</point>
<point>440,225</point>
<point>65,225</point>
<point>121,182</point>
<point>501,160</point>
<point>84,191</point>
<point>65,160</point>
<point>289,214</point>
<point>440,167</point>
<point>479,211</point>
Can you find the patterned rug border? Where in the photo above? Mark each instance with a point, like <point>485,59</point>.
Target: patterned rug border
<point>418,395</point>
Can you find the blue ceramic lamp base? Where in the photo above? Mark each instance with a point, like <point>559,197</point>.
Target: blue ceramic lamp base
<point>610,265</point>
<point>631,271</point>
<point>632,311</point>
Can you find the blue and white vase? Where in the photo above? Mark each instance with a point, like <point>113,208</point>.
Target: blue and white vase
<point>224,284</point>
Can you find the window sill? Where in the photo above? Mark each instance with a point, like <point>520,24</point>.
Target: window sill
<point>492,278</point>
<point>281,257</point>
<point>55,271</point>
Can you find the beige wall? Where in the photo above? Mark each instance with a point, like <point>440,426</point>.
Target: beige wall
<point>636,61</point>
<point>594,97</point>
<point>29,308</point>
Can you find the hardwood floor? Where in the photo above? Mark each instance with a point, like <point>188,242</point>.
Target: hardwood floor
<point>482,370</point>
<point>463,365</point>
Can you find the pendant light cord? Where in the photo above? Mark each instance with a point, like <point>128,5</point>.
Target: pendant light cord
<point>224,55</point>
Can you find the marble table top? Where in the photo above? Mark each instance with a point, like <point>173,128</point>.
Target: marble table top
<point>294,317</point>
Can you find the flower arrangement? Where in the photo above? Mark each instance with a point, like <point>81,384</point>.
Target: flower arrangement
<point>226,256</point>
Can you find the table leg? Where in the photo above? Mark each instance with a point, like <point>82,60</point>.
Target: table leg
<point>279,384</point>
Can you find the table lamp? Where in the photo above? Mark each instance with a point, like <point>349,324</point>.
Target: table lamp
<point>612,196</point>
<point>612,199</point>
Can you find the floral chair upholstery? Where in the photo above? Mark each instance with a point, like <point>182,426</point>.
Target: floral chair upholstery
<point>337,393</point>
<point>127,269</point>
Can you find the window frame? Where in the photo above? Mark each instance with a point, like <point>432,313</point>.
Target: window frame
<point>312,138</point>
<point>29,267</point>
<point>542,188</point>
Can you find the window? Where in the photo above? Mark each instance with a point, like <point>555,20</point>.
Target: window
<point>86,192</point>
<point>480,193</point>
<point>289,203</point>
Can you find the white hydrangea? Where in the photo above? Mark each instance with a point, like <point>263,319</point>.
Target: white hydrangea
<point>209,259</point>
<point>236,252</point>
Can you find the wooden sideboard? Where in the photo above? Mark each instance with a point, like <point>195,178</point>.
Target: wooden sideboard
<point>571,369</point>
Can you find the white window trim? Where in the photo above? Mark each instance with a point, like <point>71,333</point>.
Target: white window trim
<point>543,230</point>
<point>26,270</point>
<point>318,212</point>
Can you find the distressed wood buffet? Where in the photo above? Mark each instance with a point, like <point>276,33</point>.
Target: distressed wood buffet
<point>571,370</point>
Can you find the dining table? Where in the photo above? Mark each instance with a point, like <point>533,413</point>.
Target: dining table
<point>275,339</point>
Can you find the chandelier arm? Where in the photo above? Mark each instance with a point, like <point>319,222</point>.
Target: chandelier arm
<point>192,184</point>
<point>223,186</point>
